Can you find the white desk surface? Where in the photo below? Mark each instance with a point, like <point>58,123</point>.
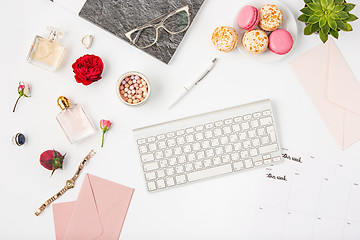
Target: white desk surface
<point>220,208</point>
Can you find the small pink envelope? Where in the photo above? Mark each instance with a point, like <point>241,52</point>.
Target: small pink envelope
<point>333,89</point>
<point>98,213</point>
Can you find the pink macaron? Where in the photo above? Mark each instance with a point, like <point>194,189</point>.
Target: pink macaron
<point>280,41</point>
<point>248,17</point>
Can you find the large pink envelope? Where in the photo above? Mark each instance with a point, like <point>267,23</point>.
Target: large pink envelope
<point>98,213</point>
<point>333,89</point>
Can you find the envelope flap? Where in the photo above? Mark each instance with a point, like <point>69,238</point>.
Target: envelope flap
<point>343,87</point>
<point>85,222</point>
<point>113,201</point>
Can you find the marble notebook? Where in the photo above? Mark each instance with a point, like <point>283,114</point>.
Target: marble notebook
<point>120,16</point>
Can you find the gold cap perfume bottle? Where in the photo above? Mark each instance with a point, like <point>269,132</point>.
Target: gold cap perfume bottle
<point>73,120</point>
<point>46,52</point>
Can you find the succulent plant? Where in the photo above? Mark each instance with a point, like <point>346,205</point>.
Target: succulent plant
<point>327,17</point>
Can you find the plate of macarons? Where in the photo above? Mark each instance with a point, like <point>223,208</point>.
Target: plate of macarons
<point>267,30</point>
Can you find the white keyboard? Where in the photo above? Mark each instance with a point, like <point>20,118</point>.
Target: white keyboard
<point>207,145</point>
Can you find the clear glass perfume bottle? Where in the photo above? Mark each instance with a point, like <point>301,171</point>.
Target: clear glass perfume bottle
<point>46,52</point>
<point>74,121</point>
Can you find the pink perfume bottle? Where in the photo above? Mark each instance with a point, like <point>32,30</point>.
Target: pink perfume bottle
<point>74,121</point>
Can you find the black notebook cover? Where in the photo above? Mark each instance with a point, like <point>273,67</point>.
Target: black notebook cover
<point>121,16</point>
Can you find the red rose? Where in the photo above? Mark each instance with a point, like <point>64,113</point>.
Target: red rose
<point>88,69</point>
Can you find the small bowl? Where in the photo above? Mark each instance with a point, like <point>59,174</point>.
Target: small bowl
<point>128,74</point>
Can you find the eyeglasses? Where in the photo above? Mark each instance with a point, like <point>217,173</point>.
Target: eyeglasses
<point>147,35</point>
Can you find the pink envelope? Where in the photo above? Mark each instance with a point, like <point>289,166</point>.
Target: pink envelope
<point>98,213</point>
<point>333,89</point>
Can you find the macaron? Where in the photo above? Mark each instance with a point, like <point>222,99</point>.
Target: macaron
<point>280,41</point>
<point>224,39</point>
<point>271,17</point>
<point>248,17</point>
<point>255,41</point>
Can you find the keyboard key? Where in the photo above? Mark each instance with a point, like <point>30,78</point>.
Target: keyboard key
<point>180,179</point>
<point>170,181</point>
<point>224,140</point>
<point>205,144</point>
<point>242,136</point>
<point>168,153</point>
<point>160,173</point>
<point>209,125</point>
<point>228,121</point>
<point>253,152</point>
<point>267,156</point>
<point>152,147</point>
<point>217,160</point>
<point>266,113</point>
<point>227,130</point>
<point>246,144</point>
<point>161,137</point>
<point>247,117</point>
<point>151,186</point>
<point>191,157</point>
<point>171,142</point>
<point>190,130</point>
<point>266,121</point>
<point>248,163</point>
<point>215,142</point>
<point>208,134</point>
<point>235,156</point>
<point>257,115</point>
<point>236,128</point>
<point>271,131</point>
<point>237,119</point>
<point>196,146</point>
<point>245,126</point>
<point>150,166</point>
<point>199,136</point>
<point>150,176</point>
<point>237,146</point>
<point>181,159</point>
<point>161,145</point>
<point>180,140</point>
<point>225,158</point>
<point>200,155</point>
<point>207,163</point>
<point>151,139</point>
<point>159,155</point>
<point>217,132</point>
<point>147,157</point>
<point>210,172</point>
<point>238,166</point>
<point>265,140</point>
<point>179,169</point>
<point>233,138</point>
<point>141,141</point>
<point>142,149</point>
<point>209,153</point>
<point>170,171</point>
<point>187,148</point>
<point>267,161</point>
<point>219,150</point>
<point>198,165</point>
<point>268,148</point>
<point>180,132</point>
<point>276,159</point>
<point>189,167</point>
<point>160,183</point>
<point>190,138</point>
<point>258,163</point>
<point>199,128</point>
<point>244,154</point>
<point>261,131</point>
<point>177,151</point>
<point>172,161</point>
<point>228,148</point>
<point>170,134</point>
<point>163,163</point>
<point>254,123</point>
<point>252,133</point>
<point>256,142</point>
<point>219,124</point>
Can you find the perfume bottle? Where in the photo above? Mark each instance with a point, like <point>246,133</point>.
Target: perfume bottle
<point>73,121</point>
<point>46,52</point>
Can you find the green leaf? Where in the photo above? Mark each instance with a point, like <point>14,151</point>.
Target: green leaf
<point>307,1</point>
<point>338,8</point>
<point>348,7</point>
<point>324,3</point>
<point>341,25</point>
<point>334,16</point>
<point>323,37</point>
<point>319,13</point>
<point>313,19</point>
<point>348,27</point>
<point>331,6</point>
<point>322,21</point>
<point>307,11</point>
<point>334,33</point>
<point>316,1</point>
<point>325,29</point>
<point>351,18</point>
<point>343,15</point>
<point>315,27</point>
<point>332,23</point>
<point>338,2</point>
<point>314,6</point>
<point>307,30</point>
<point>303,18</point>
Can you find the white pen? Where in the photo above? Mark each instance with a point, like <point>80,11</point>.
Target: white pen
<point>192,83</point>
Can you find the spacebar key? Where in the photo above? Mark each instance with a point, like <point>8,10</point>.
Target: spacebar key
<point>210,172</point>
